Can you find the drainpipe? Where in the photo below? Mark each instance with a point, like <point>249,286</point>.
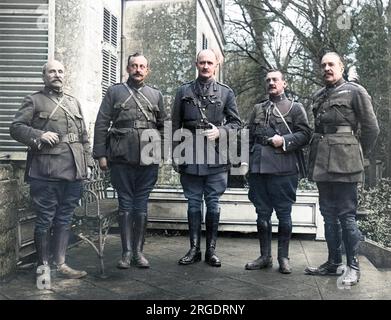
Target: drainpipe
<point>123,6</point>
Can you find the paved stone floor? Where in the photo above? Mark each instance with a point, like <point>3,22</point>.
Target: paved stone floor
<point>166,280</point>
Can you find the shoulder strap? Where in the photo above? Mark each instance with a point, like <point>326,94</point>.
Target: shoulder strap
<point>283,119</point>
<point>197,103</point>
<point>342,115</point>
<point>139,105</point>
<point>266,108</point>
<point>53,112</point>
<point>63,108</point>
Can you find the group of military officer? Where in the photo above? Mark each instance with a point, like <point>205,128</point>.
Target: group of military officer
<point>51,124</point>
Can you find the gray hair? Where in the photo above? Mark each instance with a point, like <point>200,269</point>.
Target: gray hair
<point>333,53</point>
<point>44,68</point>
<point>210,50</point>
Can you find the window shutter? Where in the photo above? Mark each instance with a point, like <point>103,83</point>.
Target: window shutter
<point>24,48</point>
<point>109,52</point>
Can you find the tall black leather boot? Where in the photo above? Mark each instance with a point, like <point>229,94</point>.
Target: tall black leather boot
<point>125,223</point>
<point>284,235</point>
<point>333,235</point>
<point>212,225</point>
<point>351,238</point>
<point>61,237</point>
<point>139,228</point>
<point>194,254</point>
<point>41,241</point>
<point>264,228</point>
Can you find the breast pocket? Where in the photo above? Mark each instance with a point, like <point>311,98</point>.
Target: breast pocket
<point>190,111</point>
<point>217,110</point>
<point>43,116</point>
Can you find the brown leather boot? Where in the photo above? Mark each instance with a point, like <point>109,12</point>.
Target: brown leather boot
<point>61,237</point>
<point>139,228</point>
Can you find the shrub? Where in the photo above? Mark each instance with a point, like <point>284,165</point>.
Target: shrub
<point>377,224</point>
<point>306,185</point>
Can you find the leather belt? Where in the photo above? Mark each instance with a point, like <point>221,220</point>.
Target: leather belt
<point>70,138</point>
<point>334,129</point>
<point>136,124</point>
<point>194,124</point>
<point>263,140</point>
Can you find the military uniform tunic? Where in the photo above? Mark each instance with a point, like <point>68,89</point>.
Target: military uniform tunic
<point>264,123</point>
<point>274,171</point>
<point>346,129</point>
<point>218,104</point>
<point>120,122</point>
<point>126,112</point>
<point>67,160</point>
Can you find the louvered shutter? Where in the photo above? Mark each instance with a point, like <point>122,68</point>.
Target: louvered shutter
<point>24,48</point>
<point>109,52</point>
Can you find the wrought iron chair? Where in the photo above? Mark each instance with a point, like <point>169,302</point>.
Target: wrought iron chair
<point>97,213</point>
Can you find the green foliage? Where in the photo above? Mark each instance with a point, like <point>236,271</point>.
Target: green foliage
<point>377,224</point>
<point>268,33</point>
<point>167,177</point>
<point>374,67</point>
<point>306,185</point>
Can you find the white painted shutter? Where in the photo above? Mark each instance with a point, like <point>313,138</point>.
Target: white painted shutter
<point>24,48</point>
<point>110,51</point>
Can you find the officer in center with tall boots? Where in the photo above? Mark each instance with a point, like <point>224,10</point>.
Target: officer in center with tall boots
<point>207,108</point>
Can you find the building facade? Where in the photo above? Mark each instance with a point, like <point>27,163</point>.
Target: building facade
<point>93,39</point>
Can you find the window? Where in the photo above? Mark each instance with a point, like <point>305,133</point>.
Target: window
<point>109,51</point>
<point>24,48</point>
<point>204,42</point>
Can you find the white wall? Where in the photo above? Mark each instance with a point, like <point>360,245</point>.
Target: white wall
<point>78,44</point>
<point>207,25</point>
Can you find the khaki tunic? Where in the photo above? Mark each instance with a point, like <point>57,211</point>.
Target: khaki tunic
<point>339,156</point>
<point>67,160</point>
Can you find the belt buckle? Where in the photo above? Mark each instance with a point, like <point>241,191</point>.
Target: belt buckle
<point>137,124</point>
<point>262,140</point>
<point>72,137</point>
